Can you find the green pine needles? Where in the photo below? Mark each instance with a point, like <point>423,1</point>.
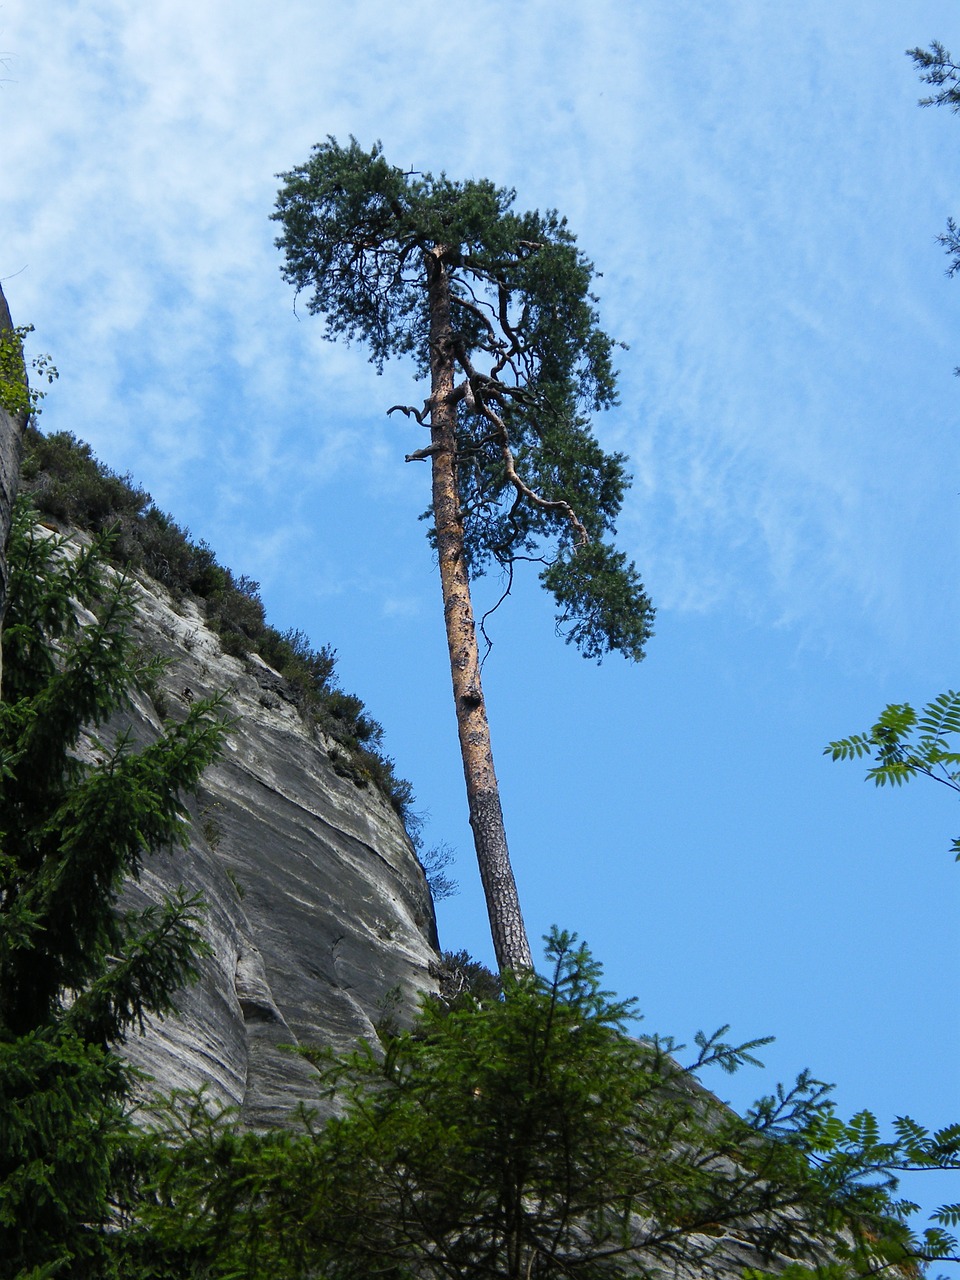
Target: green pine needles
<point>532,364</point>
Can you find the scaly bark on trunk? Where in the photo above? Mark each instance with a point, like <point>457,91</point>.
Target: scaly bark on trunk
<point>483,794</point>
<point>11,447</point>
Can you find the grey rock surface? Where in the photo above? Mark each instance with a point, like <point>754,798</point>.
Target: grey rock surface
<point>319,918</point>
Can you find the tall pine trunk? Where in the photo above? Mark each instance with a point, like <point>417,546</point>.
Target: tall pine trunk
<point>483,793</point>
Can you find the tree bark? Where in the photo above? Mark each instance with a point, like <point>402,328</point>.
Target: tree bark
<point>483,793</point>
<point>11,448</point>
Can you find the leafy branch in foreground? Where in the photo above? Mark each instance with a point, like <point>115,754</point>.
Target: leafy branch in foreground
<point>530,1137</point>
<point>17,397</point>
<point>904,743</point>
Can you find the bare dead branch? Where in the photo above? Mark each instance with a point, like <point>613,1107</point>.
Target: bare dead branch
<point>491,611</point>
<point>422,455</point>
<point>409,412</point>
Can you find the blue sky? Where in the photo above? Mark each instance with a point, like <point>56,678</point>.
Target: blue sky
<point>762,196</point>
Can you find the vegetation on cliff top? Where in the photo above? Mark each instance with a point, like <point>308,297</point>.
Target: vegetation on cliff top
<point>68,485</point>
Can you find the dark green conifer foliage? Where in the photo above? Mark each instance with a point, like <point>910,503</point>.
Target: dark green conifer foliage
<point>532,362</point>
<point>938,69</point>
<point>77,973</point>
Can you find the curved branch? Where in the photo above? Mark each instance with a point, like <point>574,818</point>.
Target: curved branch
<point>481,387</point>
<point>581,537</point>
<point>504,301</point>
<point>491,611</point>
<point>409,412</point>
<point>497,346</point>
<point>476,306</point>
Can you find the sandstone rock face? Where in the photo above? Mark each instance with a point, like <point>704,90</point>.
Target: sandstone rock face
<point>319,917</point>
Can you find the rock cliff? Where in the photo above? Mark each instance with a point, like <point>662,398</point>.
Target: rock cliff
<point>319,917</point>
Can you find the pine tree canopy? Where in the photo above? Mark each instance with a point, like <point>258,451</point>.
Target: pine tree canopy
<point>361,239</point>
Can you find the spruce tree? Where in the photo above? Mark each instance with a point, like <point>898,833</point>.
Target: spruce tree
<point>496,308</point>
<point>77,973</point>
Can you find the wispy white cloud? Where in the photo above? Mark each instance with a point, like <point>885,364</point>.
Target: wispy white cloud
<point>763,212</point>
<point>406,607</point>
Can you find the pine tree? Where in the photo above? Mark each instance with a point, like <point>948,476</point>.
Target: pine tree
<point>496,309</point>
<point>77,973</point>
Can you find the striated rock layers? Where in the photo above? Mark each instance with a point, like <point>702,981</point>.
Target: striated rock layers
<point>319,918</point>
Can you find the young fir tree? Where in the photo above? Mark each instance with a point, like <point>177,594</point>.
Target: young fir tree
<point>496,308</point>
<point>77,817</point>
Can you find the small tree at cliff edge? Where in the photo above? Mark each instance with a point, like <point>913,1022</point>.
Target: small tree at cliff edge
<point>496,309</point>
